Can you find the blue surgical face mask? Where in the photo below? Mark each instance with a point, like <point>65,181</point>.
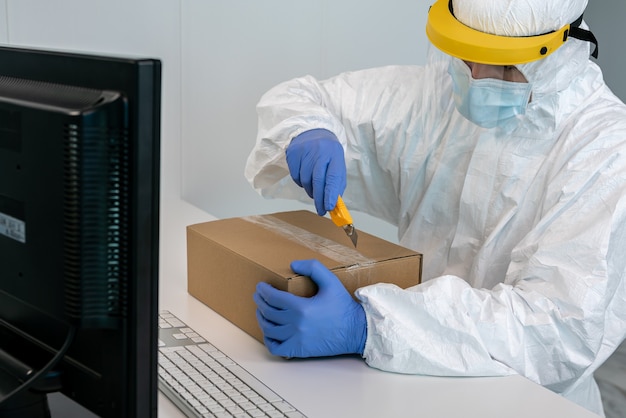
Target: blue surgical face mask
<point>487,102</point>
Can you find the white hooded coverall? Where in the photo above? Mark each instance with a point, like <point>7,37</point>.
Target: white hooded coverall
<point>523,230</point>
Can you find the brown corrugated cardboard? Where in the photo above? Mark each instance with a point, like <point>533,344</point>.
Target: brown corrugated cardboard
<point>228,257</point>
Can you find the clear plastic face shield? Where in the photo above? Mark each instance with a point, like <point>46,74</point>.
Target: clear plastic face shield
<point>507,85</point>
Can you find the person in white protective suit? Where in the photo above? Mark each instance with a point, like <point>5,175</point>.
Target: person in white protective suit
<point>503,161</point>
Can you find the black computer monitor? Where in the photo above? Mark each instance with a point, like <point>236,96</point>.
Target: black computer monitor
<point>79,199</point>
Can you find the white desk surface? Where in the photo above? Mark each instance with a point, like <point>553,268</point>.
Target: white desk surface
<point>339,387</point>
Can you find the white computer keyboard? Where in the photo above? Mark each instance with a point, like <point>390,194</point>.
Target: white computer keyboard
<point>203,382</point>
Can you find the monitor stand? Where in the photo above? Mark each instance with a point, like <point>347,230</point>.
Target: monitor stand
<point>32,401</point>
<point>26,404</point>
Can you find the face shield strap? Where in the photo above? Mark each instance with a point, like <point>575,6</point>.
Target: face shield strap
<point>577,32</point>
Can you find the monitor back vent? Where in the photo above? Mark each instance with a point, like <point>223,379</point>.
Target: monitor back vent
<point>97,267</point>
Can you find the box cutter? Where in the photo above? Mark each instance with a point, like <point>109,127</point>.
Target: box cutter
<point>341,217</point>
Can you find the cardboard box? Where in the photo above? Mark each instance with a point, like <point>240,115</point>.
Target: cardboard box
<point>228,257</point>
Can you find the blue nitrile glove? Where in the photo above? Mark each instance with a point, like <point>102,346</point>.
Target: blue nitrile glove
<point>327,324</point>
<point>316,163</point>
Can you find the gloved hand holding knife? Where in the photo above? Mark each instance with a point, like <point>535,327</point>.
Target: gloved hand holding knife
<point>317,164</point>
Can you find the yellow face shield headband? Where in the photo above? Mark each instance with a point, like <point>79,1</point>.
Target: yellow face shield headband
<point>458,40</point>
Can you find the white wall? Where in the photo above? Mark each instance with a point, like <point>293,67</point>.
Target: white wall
<point>232,52</point>
<point>4,33</point>
<point>606,20</point>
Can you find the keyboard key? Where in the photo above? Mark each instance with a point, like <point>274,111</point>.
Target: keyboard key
<point>295,414</point>
<point>175,322</point>
<point>283,406</point>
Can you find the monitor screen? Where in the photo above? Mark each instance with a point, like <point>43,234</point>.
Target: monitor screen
<point>79,199</point>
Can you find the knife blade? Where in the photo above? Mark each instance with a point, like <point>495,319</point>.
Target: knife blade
<point>342,218</point>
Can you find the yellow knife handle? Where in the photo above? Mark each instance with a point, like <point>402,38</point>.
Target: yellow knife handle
<point>340,215</point>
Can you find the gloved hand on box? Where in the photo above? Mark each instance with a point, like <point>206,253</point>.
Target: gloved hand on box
<point>327,324</point>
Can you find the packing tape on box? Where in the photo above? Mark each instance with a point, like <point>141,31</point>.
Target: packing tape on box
<point>324,246</point>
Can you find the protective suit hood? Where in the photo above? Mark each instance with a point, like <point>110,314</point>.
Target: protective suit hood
<point>517,18</point>
<point>567,69</point>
